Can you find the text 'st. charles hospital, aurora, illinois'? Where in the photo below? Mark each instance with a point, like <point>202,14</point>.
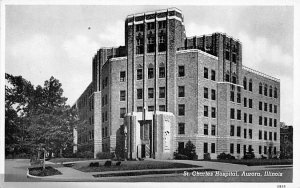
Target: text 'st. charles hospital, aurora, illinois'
<point>162,89</point>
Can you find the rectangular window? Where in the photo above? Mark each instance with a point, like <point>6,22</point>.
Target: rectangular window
<point>265,135</point>
<point>181,71</point>
<point>232,130</point>
<point>275,136</point>
<point>232,96</point>
<point>270,108</point>
<point>238,131</point>
<point>250,133</point>
<point>181,128</point>
<point>205,132</point>
<point>122,76</point>
<point>260,105</point>
<point>234,57</point>
<point>106,116</point>
<point>213,75</point>
<point>250,118</point>
<point>213,94</point>
<point>181,109</point>
<point>205,148</point>
<point>245,118</point>
<point>122,112</point>
<point>266,107</point>
<point>265,121</point>
<point>205,72</point>
<point>162,92</point>
<point>227,56</point>
<point>213,148</point>
<point>213,130</point>
<point>150,25</point>
<point>275,122</point>
<point>162,24</point>
<point>213,112</point>
<point>162,108</point>
<point>150,93</point>
<point>139,93</point>
<point>122,95</point>
<point>275,151</point>
<point>232,113</point>
<point>259,149</point>
<point>270,122</point>
<point>238,99</point>
<point>270,135</point>
<point>265,149</point>
<point>250,103</point>
<point>180,91</point>
<point>105,99</point>
<point>245,102</point>
<point>231,148</point>
<point>150,108</point>
<point>239,114</point>
<point>206,92</point>
<point>139,28</point>
<point>238,148</point>
<point>260,120</point>
<point>150,73</point>
<point>139,74</point>
<point>103,117</point>
<point>206,111</point>
<point>180,147</point>
<point>161,72</point>
<point>139,109</point>
<point>275,109</point>
<point>245,133</point>
<point>260,135</point>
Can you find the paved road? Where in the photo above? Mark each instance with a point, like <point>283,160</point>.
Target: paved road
<point>16,169</point>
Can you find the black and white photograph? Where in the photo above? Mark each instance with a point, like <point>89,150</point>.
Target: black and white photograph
<point>148,93</point>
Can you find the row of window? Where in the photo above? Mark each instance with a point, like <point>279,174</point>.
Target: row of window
<point>104,132</point>
<point>264,90</point>
<point>85,138</point>
<point>161,93</point>
<point>213,93</point>
<point>238,149</point>
<point>150,25</point>
<point>260,107</point>
<point>239,115</point>
<point>139,73</point>
<point>104,100</point>
<point>238,132</point>
<point>265,119</point>
<point>213,111</point>
<point>266,135</point>
<point>205,147</point>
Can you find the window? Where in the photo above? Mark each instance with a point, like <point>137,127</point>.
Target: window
<point>205,72</point>
<point>245,102</point>
<point>275,151</point>
<point>162,92</point>
<point>139,27</point>
<point>122,76</point>
<point>231,148</point>
<point>150,108</point>
<point>238,114</point>
<point>150,25</point>
<point>238,148</point>
<point>103,117</point>
<point>161,72</point>
<point>150,45</point>
<point>260,105</point>
<point>245,133</point>
<point>180,147</point>
<point>232,96</point>
<point>213,75</point>
<point>238,99</point>
<point>213,148</point>
<point>150,93</point>
<point>259,149</point>
<point>106,116</point>
<point>245,149</point>
<point>265,121</point>
<point>275,122</point>
<point>270,91</point>
<point>250,103</point>
<point>270,108</point>
<point>227,55</point>
<point>245,83</point>
<point>161,43</point>
<point>206,92</point>
<point>250,85</point>
<point>139,109</point>
<point>162,108</point>
<point>266,107</point>
<point>180,91</point>
<point>181,109</point>
<point>260,135</point>
<point>260,88</point>
<point>122,95</point>
<point>106,132</point>
<point>265,135</point>
<point>162,24</point>
<point>250,133</point>
<point>181,71</point>
<point>275,92</point>
<point>275,109</point>
<point>206,111</point>
<point>227,77</point>
<point>181,128</point>
<point>122,112</point>
<point>238,131</point>
<point>266,90</point>
<point>245,118</point>
<point>139,93</point>
<point>234,57</point>
<point>105,99</point>
<point>234,78</point>
<point>205,131</point>
<point>250,118</point>
<point>270,135</point>
<point>270,122</point>
<point>232,113</point>
<point>232,130</point>
<point>213,130</point>
<point>213,94</point>
<point>275,136</point>
<point>260,120</point>
<point>205,148</point>
<point>213,112</point>
<point>150,73</point>
<point>139,74</point>
<point>265,149</point>
<point>139,45</point>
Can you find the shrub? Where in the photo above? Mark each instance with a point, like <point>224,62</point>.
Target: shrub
<point>224,156</point>
<point>249,155</point>
<point>263,157</point>
<point>85,154</point>
<point>190,150</point>
<point>180,156</point>
<point>95,164</point>
<point>104,155</point>
<point>107,163</point>
<point>206,156</point>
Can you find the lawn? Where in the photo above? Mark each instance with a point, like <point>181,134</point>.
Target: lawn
<point>39,171</point>
<point>131,165</point>
<point>257,162</point>
<point>63,160</point>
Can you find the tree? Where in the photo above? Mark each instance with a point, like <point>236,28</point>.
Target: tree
<point>190,150</point>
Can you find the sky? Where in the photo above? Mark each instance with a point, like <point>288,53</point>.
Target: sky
<point>60,40</point>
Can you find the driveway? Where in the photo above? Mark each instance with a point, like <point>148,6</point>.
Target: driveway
<point>16,169</point>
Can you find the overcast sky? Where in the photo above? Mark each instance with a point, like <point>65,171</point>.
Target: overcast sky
<point>48,40</point>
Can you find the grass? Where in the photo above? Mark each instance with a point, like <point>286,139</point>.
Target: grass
<point>63,160</point>
<point>48,171</point>
<point>131,165</point>
<point>257,162</point>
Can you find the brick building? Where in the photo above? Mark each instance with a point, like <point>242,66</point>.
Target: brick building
<point>218,104</point>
